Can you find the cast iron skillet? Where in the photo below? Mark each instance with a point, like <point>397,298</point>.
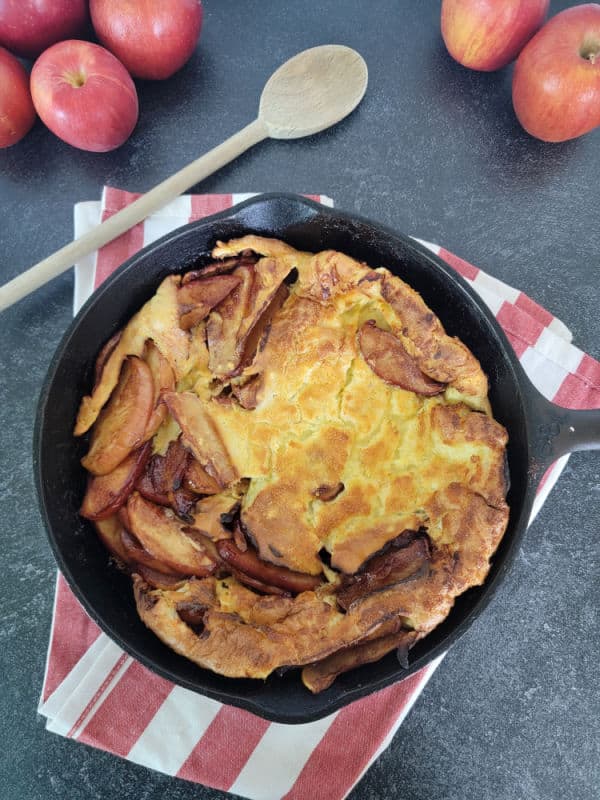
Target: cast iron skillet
<point>539,433</point>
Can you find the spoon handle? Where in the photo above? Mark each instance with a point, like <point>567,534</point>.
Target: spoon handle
<point>120,222</point>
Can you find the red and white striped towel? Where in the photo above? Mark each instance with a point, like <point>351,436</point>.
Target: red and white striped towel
<point>95,693</point>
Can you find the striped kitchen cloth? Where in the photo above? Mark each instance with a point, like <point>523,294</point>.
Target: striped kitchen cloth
<point>95,693</point>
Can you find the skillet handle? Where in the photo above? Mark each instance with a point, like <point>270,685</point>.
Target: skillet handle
<point>557,431</point>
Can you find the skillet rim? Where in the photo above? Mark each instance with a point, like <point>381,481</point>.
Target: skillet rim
<point>324,703</point>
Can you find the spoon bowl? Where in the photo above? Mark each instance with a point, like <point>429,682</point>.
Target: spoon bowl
<point>312,91</point>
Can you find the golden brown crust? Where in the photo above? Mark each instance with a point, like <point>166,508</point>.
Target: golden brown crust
<point>331,448</point>
<point>442,357</point>
<point>246,635</point>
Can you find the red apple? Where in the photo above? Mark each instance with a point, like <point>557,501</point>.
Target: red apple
<point>556,83</point>
<point>17,113</point>
<point>28,27</point>
<point>84,95</point>
<point>153,38</point>
<point>489,34</point>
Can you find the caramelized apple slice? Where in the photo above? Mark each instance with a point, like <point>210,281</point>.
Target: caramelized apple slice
<point>407,556</point>
<point>104,355</point>
<point>159,580</point>
<point>192,613</point>
<point>247,393</point>
<point>138,555</point>
<point>121,426</point>
<point>318,677</point>
<point>224,325</point>
<point>106,494</point>
<point>164,481</point>
<point>109,531</point>
<point>250,564</point>
<point>124,517</point>
<point>197,479</point>
<point>145,487</point>
<point>203,541</point>
<point>326,492</point>
<point>236,326</point>
<point>182,501</point>
<point>261,587</point>
<point>388,359</point>
<point>255,337</point>
<point>193,317</point>
<point>197,298</point>
<point>214,268</point>
<point>164,381</point>
<point>158,320</point>
<point>161,534</point>
<point>166,472</point>
<point>225,265</point>
<point>199,434</point>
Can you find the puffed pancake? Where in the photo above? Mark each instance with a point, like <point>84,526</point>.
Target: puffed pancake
<point>294,461</point>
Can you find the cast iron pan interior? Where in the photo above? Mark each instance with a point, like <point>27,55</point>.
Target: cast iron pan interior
<point>105,592</point>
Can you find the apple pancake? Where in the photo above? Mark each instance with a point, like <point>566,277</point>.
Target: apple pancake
<point>313,474</point>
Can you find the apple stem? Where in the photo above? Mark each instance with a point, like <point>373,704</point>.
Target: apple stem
<point>76,79</point>
<point>590,52</point>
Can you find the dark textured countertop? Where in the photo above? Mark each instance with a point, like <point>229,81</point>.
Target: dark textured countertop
<point>434,150</point>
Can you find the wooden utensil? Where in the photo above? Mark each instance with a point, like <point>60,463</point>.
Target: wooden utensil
<point>309,93</point>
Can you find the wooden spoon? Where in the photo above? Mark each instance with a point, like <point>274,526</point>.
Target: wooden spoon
<point>310,92</point>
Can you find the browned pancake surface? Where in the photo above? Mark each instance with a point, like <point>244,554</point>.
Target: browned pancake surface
<point>337,453</point>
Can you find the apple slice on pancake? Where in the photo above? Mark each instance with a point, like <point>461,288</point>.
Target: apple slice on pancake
<point>159,580</point>
<point>221,266</point>
<point>196,298</point>
<point>388,358</point>
<point>164,474</point>
<point>161,534</point>
<point>197,479</point>
<point>158,320</point>
<point>104,355</point>
<point>109,532</point>
<point>164,381</point>
<point>235,327</point>
<point>105,494</point>
<point>200,435</point>
<point>224,324</point>
<point>121,426</point>
<point>248,563</point>
<point>139,555</point>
